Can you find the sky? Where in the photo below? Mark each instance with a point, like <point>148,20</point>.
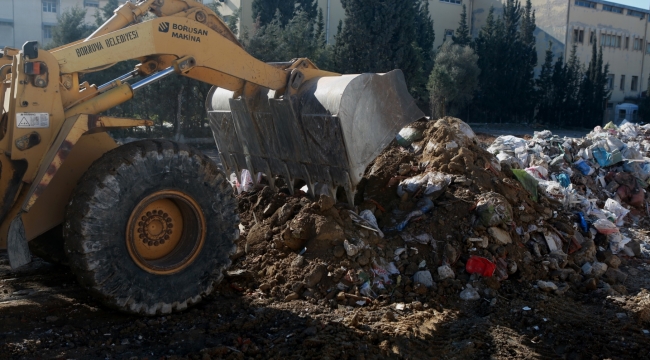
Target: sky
<point>643,4</point>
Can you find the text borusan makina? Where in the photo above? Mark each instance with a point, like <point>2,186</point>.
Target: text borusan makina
<point>191,33</point>
<point>112,41</point>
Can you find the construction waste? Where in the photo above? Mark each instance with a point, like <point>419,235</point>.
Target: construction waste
<point>440,215</point>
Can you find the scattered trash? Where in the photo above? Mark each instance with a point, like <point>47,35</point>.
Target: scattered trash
<point>350,248</point>
<point>445,272</point>
<point>469,294</point>
<point>480,265</point>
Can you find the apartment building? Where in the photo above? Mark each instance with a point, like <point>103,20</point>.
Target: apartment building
<point>25,20</point>
<point>621,30</point>
<point>446,14</point>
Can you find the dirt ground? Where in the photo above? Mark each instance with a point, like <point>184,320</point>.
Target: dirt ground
<point>260,310</point>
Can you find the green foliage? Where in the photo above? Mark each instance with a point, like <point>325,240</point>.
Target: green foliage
<point>381,35</point>
<point>454,79</point>
<point>569,94</point>
<point>106,12</point>
<point>507,58</point>
<point>300,37</point>
<point>462,36</point>
<point>265,11</point>
<point>71,27</point>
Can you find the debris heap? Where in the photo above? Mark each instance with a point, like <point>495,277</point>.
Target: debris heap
<point>438,216</point>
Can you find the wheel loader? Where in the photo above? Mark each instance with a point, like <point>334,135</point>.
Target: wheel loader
<point>148,227</point>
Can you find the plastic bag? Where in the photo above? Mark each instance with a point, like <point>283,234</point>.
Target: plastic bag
<point>583,167</point>
<point>350,248</point>
<point>480,265</point>
<point>628,130</point>
<point>618,210</point>
<point>538,172</point>
<point>424,206</point>
<point>617,242</point>
<point>432,182</point>
<point>366,290</point>
<point>511,145</point>
<point>423,239</point>
<point>564,180</point>
<point>246,183</point>
<point>493,209</point>
<point>407,136</point>
<point>371,220</point>
<point>528,181</point>
<point>605,158</point>
<point>605,226</point>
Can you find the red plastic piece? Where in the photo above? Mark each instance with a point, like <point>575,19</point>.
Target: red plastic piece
<point>480,265</point>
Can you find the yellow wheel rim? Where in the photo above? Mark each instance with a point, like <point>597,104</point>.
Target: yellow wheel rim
<point>165,232</point>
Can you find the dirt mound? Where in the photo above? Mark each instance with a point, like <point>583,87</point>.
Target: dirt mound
<point>439,218</point>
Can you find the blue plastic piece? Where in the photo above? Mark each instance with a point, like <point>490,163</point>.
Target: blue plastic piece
<point>583,223</point>
<point>564,180</point>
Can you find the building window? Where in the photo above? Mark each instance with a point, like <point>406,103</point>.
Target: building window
<point>448,34</point>
<point>635,13</point>
<point>610,41</point>
<point>49,6</point>
<point>592,37</point>
<point>613,9</point>
<point>610,81</point>
<point>452,1</point>
<point>578,36</point>
<point>635,83</point>
<point>637,44</point>
<point>622,85</point>
<point>627,43</point>
<point>583,3</point>
<point>47,32</point>
<point>647,49</point>
<point>91,3</point>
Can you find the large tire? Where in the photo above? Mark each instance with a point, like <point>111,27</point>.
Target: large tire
<point>97,217</point>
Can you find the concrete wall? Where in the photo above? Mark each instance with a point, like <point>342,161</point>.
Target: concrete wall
<point>25,20</point>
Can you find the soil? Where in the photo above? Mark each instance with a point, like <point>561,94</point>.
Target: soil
<point>307,281</point>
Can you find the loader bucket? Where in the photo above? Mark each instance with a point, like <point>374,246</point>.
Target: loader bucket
<point>325,135</point>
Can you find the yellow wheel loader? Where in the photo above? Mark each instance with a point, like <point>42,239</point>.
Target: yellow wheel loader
<point>148,227</point>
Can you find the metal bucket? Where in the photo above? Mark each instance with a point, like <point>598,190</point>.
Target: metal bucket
<point>326,134</point>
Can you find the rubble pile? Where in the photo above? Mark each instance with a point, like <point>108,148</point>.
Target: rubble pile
<point>439,217</point>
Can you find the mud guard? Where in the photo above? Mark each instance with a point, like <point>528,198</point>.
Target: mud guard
<point>17,247</point>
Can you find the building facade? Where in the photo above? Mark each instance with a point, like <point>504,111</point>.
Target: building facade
<point>445,15</point>
<point>26,20</point>
<point>621,30</point>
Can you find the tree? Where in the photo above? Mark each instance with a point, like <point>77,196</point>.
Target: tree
<point>461,35</point>
<point>265,11</point>
<point>545,88</point>
<point>300,37</point>
<point>71,27</point>
<point>507,58</point>
<point>106,12</point>
<point>454,78</point>
<point>382,35</point>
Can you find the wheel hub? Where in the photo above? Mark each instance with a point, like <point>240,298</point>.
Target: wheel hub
<point>165,232</point>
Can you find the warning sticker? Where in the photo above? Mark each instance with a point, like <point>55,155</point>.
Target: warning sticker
<point>32,120</point>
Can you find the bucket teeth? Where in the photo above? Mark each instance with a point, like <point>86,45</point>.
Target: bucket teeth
<point>325,135</point>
